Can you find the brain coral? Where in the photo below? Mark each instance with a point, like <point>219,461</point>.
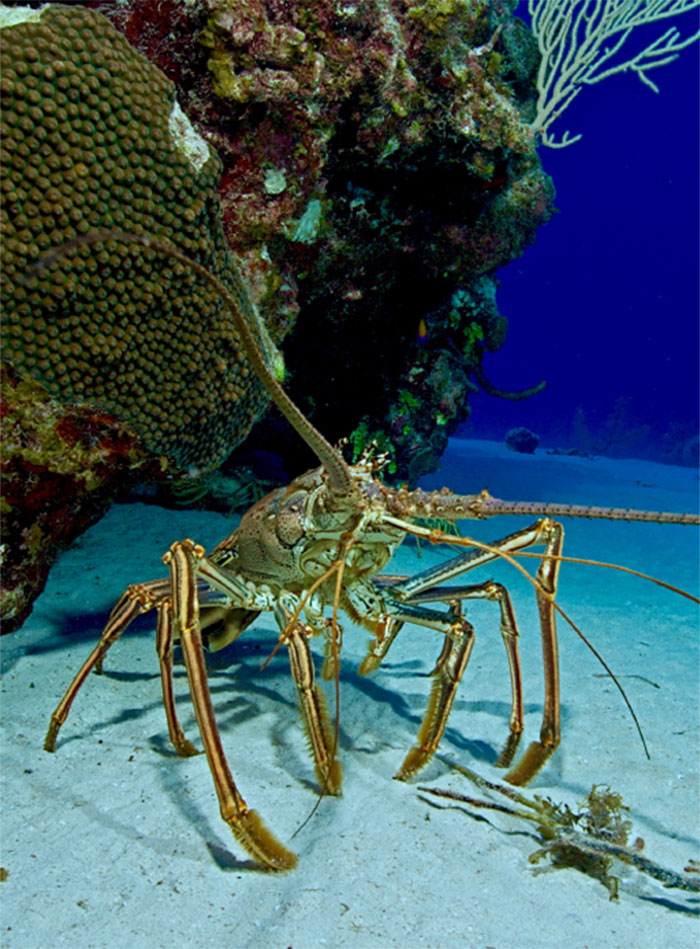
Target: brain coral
<point>92,137</point>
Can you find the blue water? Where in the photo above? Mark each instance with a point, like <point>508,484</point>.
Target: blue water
<point>605,303</point>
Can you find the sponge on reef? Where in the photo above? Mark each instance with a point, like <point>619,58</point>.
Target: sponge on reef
<point>93,138</point>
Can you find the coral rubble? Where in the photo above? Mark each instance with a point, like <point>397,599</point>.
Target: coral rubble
<point>592,840</point>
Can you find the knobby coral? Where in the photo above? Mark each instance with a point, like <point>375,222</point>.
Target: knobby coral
<point>92,137</point>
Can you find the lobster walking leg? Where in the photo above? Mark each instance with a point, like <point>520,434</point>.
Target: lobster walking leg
<point>387,631</point>
<point>497,593</point>
<point>418,589</point>
<point>538,752</point>
<point>247,825</point>
<point>449,668</point>
<point>314,710</point>
<point>136,599</point>
<point>164,648</point>
<point>447,675</point>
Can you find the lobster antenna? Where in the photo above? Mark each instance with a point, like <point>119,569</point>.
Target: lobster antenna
<point>339,478</point>
<point>494,507</point>
<point>611,566</point>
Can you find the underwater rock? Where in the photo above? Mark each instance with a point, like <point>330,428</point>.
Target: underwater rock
<point>377,164</point>
<point>93,138</point>
<point>522,440</point>
<point>61,466</point>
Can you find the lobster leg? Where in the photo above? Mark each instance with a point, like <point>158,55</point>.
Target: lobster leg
<point>387,630</point>
<point>136,599</point>
<point>447,675</point>
<point>538,752</point>
<point>164,648</point>
<point>247,826</point>
<point>495,592</point>
<point>212,601</point>
<point>551,534</point>
<point>448,671</point>
<point>313,707</point>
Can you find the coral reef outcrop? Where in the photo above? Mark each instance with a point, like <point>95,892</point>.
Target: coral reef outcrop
<point>522,440</point>
<point>378,169</point>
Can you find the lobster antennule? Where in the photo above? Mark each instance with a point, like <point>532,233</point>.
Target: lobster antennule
<point>452,507</point>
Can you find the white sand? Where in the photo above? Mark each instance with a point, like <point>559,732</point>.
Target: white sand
<point>114,841</point>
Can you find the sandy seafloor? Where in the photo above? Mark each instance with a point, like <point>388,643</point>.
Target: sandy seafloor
<point>114,841</point>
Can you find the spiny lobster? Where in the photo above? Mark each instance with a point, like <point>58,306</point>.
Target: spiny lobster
<point>322,542</point>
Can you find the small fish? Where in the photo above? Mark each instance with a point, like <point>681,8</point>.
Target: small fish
<point>422,331</point>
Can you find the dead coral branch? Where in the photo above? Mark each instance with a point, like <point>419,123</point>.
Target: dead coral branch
<point>589,840</point>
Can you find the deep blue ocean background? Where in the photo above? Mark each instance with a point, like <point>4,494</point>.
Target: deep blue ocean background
<point>605,304</point>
